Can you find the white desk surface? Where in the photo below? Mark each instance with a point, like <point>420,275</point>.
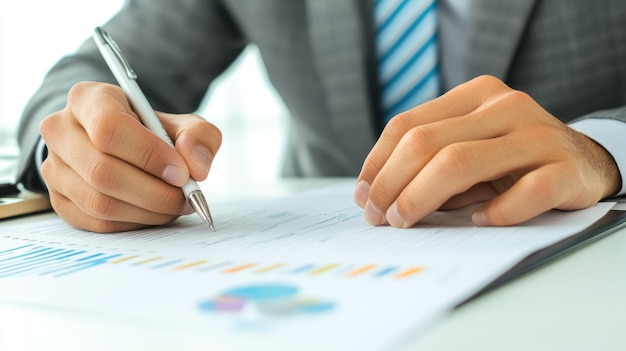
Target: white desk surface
<point>577,302</point>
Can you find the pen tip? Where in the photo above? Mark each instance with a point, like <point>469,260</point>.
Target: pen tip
<point>198,202</point>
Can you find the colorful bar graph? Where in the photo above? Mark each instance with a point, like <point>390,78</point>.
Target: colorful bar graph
<point>40,260</point>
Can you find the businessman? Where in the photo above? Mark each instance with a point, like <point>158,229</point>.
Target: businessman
<point>532,110</point>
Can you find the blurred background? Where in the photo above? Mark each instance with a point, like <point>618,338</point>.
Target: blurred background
<point>34,34</point>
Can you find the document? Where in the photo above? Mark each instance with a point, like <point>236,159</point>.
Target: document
<point>300,272</point>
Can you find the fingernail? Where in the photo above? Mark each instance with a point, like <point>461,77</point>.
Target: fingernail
<point>202,157</point>
<point>478,218</point>
<point>394,218</point>
<point>175,175</point>
<point>361,191</point>
<point>372,214</point>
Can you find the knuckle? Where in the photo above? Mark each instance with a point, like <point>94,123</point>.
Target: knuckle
<point>518,98</point>
<point>48,126</point>
<point>407,207</point>
<point>100,174</point>
<point>57,206</point>
<point>99,205</point>
<point>47,169</point>
<point>372,164</point>
<point>453,160</point>
<point>86,89</point>
<point>145,156</point>
<point>398,126</point>
<point>103,128</point>
<point>213,131</point>
<point>379,193</point>
<point>420,141</point>
<point>78,91</point>
<point>541,186</point>
<point>486,80</point>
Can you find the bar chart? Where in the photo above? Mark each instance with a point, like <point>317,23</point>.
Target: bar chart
<point>45,260</point>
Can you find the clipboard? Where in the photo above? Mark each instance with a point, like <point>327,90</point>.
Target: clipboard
<point>16,201</point>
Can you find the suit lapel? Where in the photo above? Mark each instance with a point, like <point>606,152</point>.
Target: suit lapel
<point>496,27</point>
<point>340,32</point>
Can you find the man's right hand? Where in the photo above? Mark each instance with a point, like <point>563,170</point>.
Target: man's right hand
<point>106,172</point>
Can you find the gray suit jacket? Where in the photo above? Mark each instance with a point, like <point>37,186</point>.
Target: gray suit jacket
<point>570,55</point>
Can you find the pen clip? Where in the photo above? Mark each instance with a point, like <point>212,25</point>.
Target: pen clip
<point>107,39</point>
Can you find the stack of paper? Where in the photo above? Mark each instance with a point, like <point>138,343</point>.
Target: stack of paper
<point>303,272</point>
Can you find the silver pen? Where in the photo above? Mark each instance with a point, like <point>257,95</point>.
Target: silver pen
<point>126,77</point>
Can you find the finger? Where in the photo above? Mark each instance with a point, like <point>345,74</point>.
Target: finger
<point>533,194</point>
<point>76,218</point>
<point>114,177</point>
<point>196,140</point>
<point>93,203</point>
<point>419,145</point>
<point>480,192</point>
<point>477,193</point>
<point>115,129</point>
<point>458,168</point>
<point>459,101</point>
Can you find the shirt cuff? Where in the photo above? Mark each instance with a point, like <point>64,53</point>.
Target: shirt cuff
<point>610,134</point>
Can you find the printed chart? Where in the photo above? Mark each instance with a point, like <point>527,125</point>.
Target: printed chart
<point>32,259</point>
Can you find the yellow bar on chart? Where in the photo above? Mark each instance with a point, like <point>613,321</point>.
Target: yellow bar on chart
<point>409,272</point>
<point>270,268</point>
<point>189,265</point>
<point>148,260</point>
<point>361,270</point>
<point>123,259</point>
<point>324,269</point>
<point>239,268</point>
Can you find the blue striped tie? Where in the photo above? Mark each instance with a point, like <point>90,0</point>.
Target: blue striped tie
<point>406,43</point>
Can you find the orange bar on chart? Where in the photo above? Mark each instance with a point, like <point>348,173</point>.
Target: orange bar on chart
<point>239,268</point>
<point>409,272</point>
<point>361,270</point>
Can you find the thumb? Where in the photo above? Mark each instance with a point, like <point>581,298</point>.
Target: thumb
<point>195,139</point>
